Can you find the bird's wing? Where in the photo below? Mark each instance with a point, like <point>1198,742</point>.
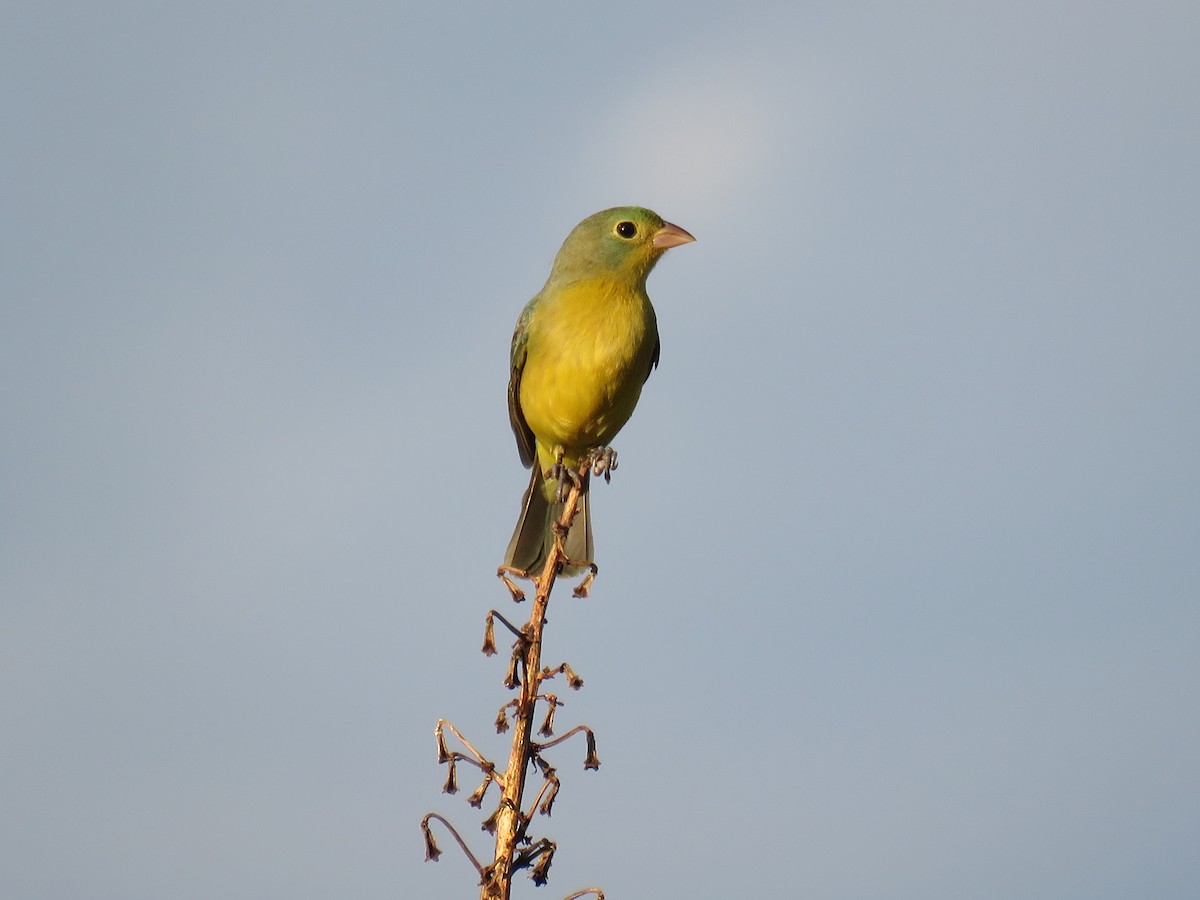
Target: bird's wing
<point>653,358</point>
<point>525,440</point>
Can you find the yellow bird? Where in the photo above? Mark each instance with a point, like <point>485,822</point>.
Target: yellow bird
<point>581,351</point>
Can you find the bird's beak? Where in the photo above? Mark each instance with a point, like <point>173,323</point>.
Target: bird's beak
<point>670,236</point>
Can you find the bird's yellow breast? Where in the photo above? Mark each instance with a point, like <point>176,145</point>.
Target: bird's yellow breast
<point>589,352</point>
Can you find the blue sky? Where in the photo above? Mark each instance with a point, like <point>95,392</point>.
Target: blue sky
<point>900,570</point>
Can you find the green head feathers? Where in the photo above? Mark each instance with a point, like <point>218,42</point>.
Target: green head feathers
<point>622,243</point>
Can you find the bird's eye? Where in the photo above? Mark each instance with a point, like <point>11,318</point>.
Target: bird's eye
<point>626,230</point>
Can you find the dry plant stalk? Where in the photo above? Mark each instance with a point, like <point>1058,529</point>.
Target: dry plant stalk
<point>510,821</point>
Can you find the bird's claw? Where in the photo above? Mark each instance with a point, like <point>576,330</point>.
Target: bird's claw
<point>566,478</point>
<point>599,461</point>
<point>604,462</point>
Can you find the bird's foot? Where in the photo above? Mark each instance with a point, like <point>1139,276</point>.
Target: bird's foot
<point>567,478</point>
<point>603,461</point>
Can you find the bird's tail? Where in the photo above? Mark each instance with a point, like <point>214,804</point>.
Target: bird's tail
<point>533,538</point>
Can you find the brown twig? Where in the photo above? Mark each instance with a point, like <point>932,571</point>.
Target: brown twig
<point>544,801</point>
<point>592,761</point>
<point>432,852</point>
<point>510,822</point>
<point>479,761</point>
<point>515,849</point>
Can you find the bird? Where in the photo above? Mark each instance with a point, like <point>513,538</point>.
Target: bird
<point>581,351</point>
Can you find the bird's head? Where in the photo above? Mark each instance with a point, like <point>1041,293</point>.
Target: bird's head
<point>622,243</point>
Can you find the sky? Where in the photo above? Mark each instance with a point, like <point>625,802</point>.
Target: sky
<point>898,574</point>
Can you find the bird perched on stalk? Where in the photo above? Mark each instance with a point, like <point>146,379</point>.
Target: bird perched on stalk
<point>582,349</point>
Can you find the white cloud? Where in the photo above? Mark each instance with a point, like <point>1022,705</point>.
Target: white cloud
<point>698,137</point>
